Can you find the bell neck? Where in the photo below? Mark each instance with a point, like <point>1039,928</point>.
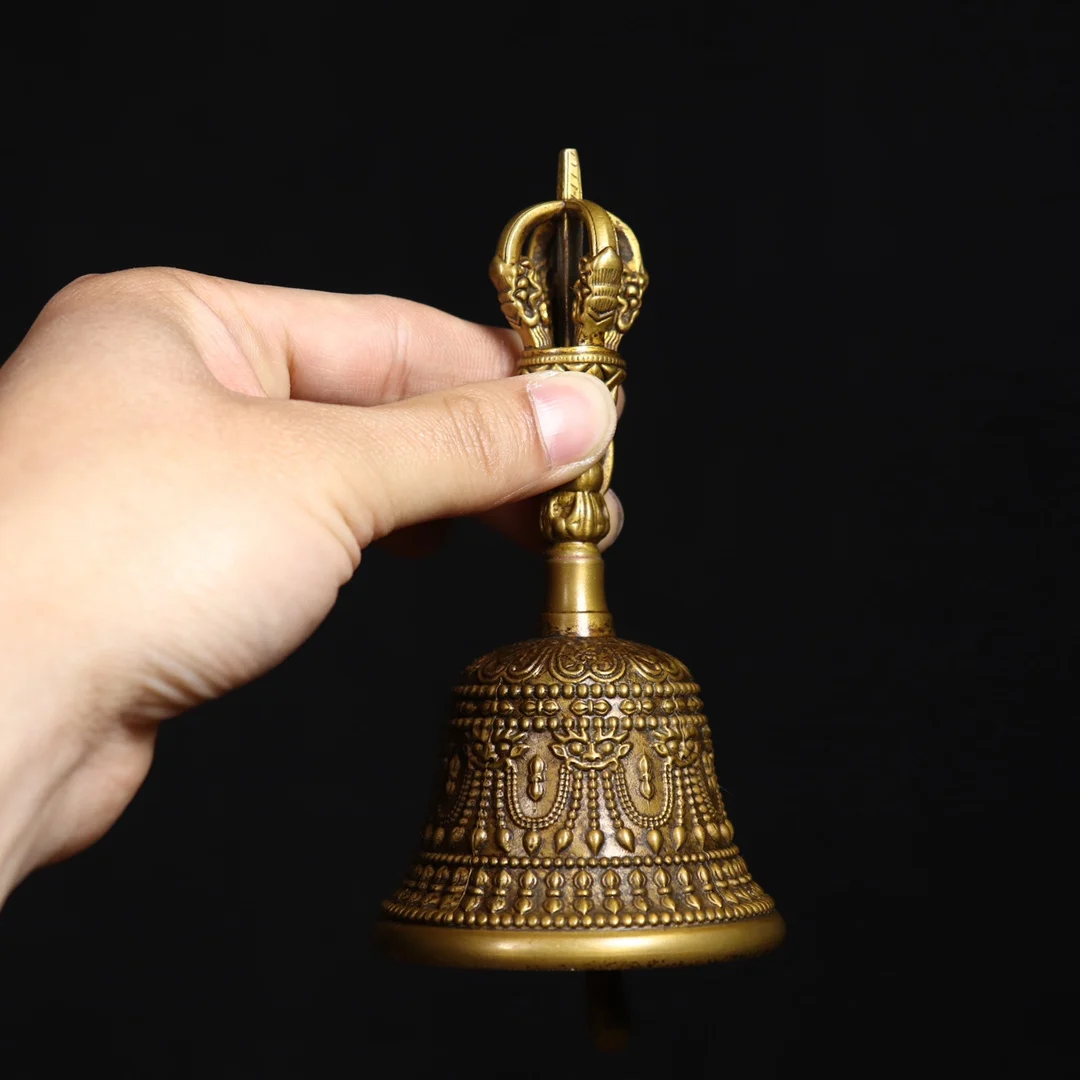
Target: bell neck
<point>576,604</point>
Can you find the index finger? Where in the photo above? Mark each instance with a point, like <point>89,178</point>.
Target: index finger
<point>353,349</point>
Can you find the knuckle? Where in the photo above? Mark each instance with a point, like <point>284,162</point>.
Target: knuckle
<point>82,290</point>
<point>387,313</point>
<point>479,431</point>
<point>88,289</point>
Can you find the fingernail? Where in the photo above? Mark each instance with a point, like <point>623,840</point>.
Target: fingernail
<point>574,412</point>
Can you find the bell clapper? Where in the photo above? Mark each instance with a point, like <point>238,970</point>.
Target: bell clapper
<point>606,1011</point>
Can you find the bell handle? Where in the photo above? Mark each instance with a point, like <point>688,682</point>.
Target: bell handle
<point>595,297</point>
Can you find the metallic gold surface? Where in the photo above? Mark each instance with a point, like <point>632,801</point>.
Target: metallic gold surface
<point>580,950</point>
<point>578,822</point>
<point>575,594</point>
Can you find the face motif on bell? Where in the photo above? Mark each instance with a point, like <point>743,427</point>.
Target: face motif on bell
<point>590,742</point>
<point>679,741</point>
<point>494,742</point>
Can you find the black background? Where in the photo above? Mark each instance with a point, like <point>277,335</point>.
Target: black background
<point>848,463</point>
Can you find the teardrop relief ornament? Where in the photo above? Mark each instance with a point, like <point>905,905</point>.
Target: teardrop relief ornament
<point>578,820</point>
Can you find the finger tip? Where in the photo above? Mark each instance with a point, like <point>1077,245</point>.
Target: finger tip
<point>574,413</point>
<point>616,516</point>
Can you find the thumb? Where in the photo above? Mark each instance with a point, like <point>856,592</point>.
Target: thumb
<point>462,450</point>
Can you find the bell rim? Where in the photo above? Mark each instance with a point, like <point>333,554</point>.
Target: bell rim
<point>579,950</point>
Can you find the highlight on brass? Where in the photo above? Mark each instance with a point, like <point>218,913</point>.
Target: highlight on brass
<point>577,821</point>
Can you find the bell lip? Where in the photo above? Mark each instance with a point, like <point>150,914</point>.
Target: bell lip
<point>579,950</point>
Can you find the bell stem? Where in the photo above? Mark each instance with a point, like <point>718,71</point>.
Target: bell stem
<point>576,604</point>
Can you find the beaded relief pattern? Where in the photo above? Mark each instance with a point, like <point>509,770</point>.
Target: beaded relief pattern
<point>578,789</point>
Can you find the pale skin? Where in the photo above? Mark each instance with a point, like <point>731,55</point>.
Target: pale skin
<point>190,469</point>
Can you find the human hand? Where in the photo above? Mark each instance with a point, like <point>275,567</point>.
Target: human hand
<point>190,469</point>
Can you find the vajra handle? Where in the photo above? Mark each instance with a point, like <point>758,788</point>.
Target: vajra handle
<point>570,280</point>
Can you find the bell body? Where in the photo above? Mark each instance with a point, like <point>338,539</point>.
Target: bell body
<point>578,822</point>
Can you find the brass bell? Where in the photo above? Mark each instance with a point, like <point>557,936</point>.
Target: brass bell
<point>577,823</point>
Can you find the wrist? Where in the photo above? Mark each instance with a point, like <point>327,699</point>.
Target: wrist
<point>35,753</point>
<point>41,741</point>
